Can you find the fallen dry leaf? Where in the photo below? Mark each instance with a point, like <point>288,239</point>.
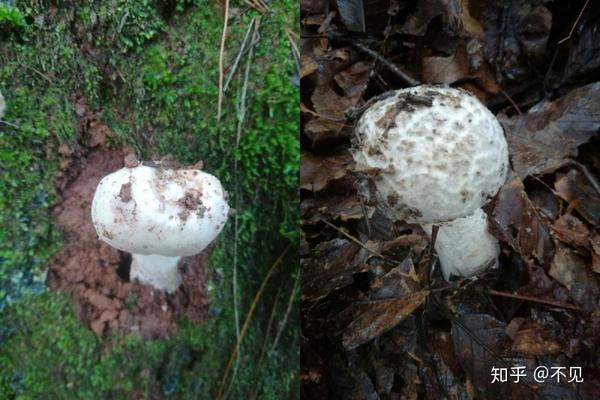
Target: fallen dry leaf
<point>352,13</point>
<point>514,220</point>
<point>543,139</point>
<point>446,69</point>
<point>330,267</point>
<point>307,65</point>
<point>595,245</point>
<point>379,316</point>
<point>353,80</point>
<point>532,339</point>
<point>570,230</point>
<point>316,172</point>
<point>575,189</point>
<point>571,270</point>
<point>344,207</point>
<point>479,342</point>
<point>330,105</point>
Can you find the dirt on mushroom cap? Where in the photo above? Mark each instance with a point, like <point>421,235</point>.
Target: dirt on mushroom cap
<point>438,154</point>
<point>87,268</point>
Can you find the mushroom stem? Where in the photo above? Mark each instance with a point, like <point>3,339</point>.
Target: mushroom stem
<point>465,246</point>
<point>155,270</point>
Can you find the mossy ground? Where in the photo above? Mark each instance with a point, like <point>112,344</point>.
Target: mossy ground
<point>151,69</point>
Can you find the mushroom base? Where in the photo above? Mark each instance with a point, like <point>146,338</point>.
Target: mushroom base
<point>157,271</point>
<point>465,246</point>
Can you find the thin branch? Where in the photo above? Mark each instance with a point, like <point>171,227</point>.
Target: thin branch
<point>241,118</point>
<point>561,41</point>
<point>258,5</point>
<point>386,63</point>
<point>515,105</point>
<point>10,124</point>
<point>552,303</point>
<point>264,346</point>
<point>37,72</point>
<point>239,55</point>
<point>286,316</point>
<point>361,244</point>
<point>221,60</point>
<point>248,319</point>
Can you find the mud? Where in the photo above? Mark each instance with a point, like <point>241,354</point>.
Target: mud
<point>96,274</point>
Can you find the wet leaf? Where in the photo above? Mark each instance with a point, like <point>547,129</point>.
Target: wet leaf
<point>571,270</point>
<point>480,343</point>
<point>543,139</point>
<point>478,356</point>
<point>329,268</point>
<point>570,230</point>
<point>417,22</point>
<point>547,203</point>
<point>578,54</point>
<point>353,79</point>
<point>321,130</point>
<point>312,366</point>
<point>344,207</point>
<point>352,14</point>
<point>308,65</point>
<point>350,381</point>
<point>379,316</point>
<point>330,105</point>
<point>595,245</point>
<point>516,34</point>
<point>316,172</point>
<point>446,69</point>
<point>394,283</point>
<point>532,339</point>
<point>514,220</point>
<point>575,189</point>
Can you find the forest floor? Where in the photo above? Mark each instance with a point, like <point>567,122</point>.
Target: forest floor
<point>86,85</point>
<point>377,322</point>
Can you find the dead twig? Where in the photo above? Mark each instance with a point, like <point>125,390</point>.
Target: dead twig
<point>10,124</point>
<point>561,41</point>
<point>264,346</point>
<point>552,303</point>
<point>386,63</point>
<point>50,81</point>
<point>364,246</point>
<point>286,316</point>
<point>258,5</point>
<point>221,60</point>
<point>249,315</point>
<point>515,105</point>
<point>241,115</point>
<point>240,53</point>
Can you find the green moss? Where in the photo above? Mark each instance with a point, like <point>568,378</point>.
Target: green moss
<point>152,72</point>
<point>11,18</point>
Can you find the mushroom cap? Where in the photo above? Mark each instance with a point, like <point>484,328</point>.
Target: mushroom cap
<point>429,154</point>
<point>169,212</point>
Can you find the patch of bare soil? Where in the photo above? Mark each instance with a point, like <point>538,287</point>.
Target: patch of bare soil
<point>96,274</point>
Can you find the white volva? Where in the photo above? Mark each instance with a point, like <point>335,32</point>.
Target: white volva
<point>439,155</point>
<point>159,215</point>
<point>464,245</point>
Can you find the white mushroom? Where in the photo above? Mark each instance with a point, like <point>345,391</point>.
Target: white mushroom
<point>435,155</point>
<point>159,215</point>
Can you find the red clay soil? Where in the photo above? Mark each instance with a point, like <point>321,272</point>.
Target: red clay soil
<point>86,267</point>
